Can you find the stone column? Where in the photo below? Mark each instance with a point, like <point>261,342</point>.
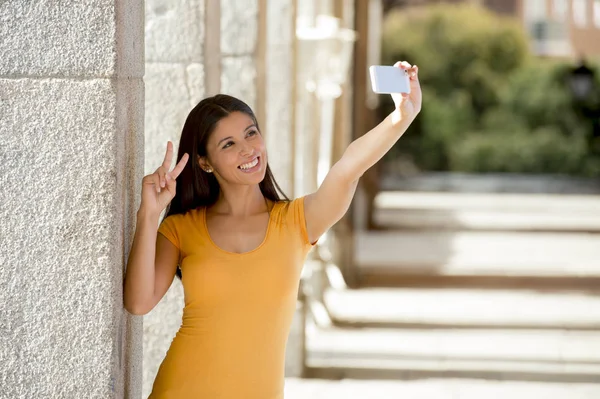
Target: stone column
<point>280,89</point>
<point>279,128</point>
<point>239,34</point>
<point>175,83</point>
<point>71,139</point>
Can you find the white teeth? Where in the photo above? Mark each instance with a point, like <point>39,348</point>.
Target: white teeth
<point>250,164</point>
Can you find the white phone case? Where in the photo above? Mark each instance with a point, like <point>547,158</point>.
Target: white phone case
<point>389,79</point>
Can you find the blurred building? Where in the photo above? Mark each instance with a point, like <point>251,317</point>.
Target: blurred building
<point>558,28</point>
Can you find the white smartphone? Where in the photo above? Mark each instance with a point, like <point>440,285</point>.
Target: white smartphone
<point>389,79</point>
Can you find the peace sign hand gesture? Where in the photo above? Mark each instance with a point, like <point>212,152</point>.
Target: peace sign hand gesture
<point>158,189</point>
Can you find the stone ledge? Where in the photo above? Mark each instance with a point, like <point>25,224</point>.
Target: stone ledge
<point>480,253</point>
<point>460,308</point>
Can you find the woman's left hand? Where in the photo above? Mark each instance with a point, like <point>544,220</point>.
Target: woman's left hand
<point>409,105</point>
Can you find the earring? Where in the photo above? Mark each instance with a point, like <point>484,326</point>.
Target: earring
<point>208,170</point>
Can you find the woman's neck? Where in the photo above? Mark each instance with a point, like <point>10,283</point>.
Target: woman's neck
<point>240,201</point>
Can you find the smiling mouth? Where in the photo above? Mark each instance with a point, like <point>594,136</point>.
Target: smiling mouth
<point>250,166</point>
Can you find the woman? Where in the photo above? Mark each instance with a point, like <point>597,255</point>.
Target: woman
<point>237,245</point>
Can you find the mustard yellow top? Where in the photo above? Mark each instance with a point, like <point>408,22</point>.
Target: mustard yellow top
<point>238,309</point>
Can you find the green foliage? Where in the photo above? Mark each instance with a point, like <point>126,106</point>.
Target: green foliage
<point>439,124</point>
<point>544,150</point>
<point>539,95</point>
<point>458,47</point>
<point>488,106</point>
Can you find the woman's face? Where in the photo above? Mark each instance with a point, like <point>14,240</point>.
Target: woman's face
<point>236,151</point>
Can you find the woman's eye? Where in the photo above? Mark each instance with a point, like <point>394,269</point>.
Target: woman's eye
<point>228,144</point>
<point>252,133</point>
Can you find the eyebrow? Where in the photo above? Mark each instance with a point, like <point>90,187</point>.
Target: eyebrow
<point>230,137</point>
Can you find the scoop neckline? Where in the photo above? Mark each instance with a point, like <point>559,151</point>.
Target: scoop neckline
<point>262,244</point>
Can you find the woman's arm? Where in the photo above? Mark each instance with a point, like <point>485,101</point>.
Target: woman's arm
<point>153,259</point>
<point>151,266</point>
<point>331,201</point>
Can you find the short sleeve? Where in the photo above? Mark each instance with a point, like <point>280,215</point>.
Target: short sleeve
<point>168,228</point>
<point>298,218</point>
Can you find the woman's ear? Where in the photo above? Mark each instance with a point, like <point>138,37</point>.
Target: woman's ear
<point>203,162</point>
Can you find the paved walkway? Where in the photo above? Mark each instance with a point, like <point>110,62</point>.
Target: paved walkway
<point>436,389</point>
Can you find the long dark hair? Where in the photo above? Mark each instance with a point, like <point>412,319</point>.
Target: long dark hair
<point>196,188</point>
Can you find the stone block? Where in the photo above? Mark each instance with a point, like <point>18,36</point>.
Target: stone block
<point>280,22</point>
<point>238,78</point>
<point>45,39</point>
<point>239,27</point>
<point>73,161</point>
<point>195,83</point>
<point>174,31</point>
<point>172,90</point>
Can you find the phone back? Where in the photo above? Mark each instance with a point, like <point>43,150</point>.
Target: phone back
<point>389,79</point>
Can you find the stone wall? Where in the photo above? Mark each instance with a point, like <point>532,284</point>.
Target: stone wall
<point>71,125</point>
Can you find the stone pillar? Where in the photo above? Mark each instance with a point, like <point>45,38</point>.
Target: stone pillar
<point>175,83</point>
<point>280,89</point>
<point>239,33</point>
<point>71,134</point>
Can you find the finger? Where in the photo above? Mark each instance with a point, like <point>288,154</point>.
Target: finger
<point>168,156</point>
<point>403,65</point>
<point>415,84</point>
<point>156,182</point>
<point>161,176</point>
<point>179,167</point>
<point>171,183</point>
<point>148,180</point>
<point>414,73</point>
<point>160,172</point>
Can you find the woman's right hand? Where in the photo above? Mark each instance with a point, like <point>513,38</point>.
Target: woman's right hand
<point>158,189</point>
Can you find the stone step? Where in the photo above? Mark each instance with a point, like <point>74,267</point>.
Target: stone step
<point>478,253</point>
<point>463,308</point>
<point>483,220</point>
<point>490,183</point>
<point>544,355</point>
<point>537,203</point>
<point>436,388</point>
<point>459,211</point>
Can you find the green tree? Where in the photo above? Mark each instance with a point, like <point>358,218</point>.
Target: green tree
<point>489,106</point>
<point>460,47</point>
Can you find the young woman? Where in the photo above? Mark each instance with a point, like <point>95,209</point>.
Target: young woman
<point>238,247</point>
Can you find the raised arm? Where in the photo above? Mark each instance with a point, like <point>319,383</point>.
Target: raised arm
<point>330,202</point>
<point>153,259</point>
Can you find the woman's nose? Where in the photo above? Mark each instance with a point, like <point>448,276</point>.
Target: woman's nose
<point>247,150</point>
